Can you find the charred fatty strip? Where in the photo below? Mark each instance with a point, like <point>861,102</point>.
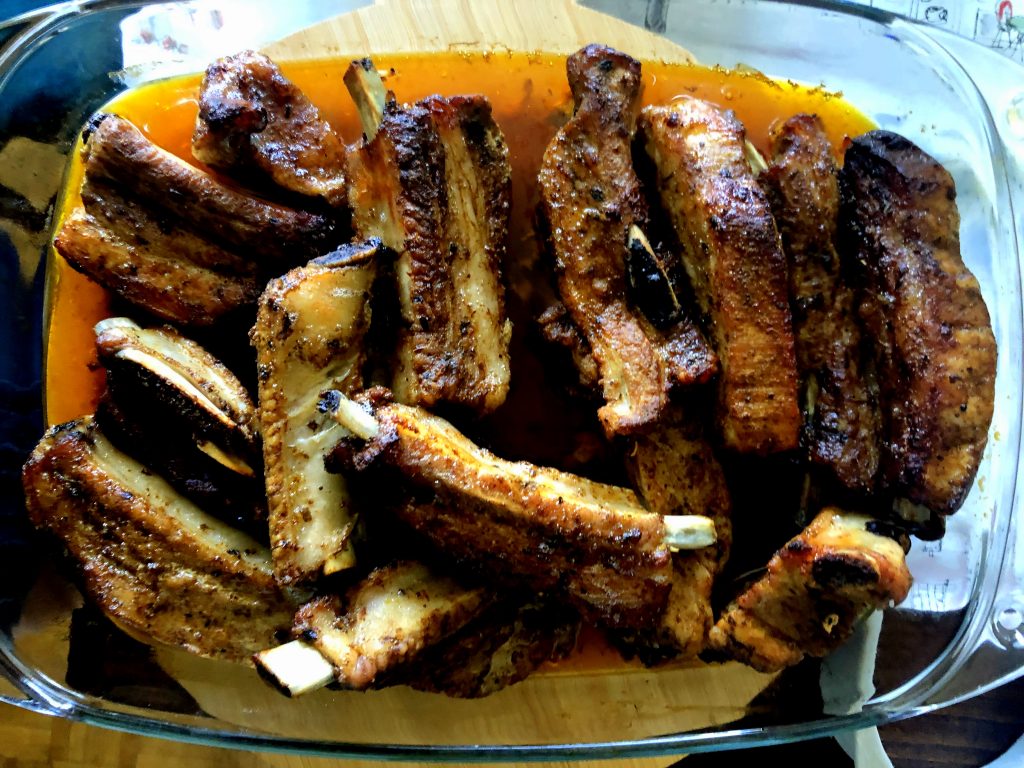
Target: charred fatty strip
<point>815,590</point>
<point>839,396</point>
<point>932,338</point>
<point>158,565</point>
<point>256,125</point>
<point>169,238</point>
<point>733,256</point>
<point>383,623</point>
<point>432,181</point>
<point>308,336</point>
<point>593,543</point>
<point>161,383</point>
<point>591,201</point>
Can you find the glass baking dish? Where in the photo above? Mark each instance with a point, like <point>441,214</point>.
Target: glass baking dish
<point>957,635</point>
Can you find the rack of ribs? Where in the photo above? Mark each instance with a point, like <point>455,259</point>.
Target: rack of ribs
<point>309,339</point>
<point>733,255</point>
<point>594,544</point>
<point>935,353</point>
<point>839,396</point>
<point>815,590</point>
<point>257,126</point>
<point>432,181</point>
<point>158,565</point>
<point>590,202</point>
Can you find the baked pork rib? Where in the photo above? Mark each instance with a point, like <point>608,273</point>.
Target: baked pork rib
<point>839,397</point>
<point>256,125</point>
<point>593,543</point>
<point>160,567</point>
<point>733,256</point>
<point>432,181</point>
<point>816,589</point>
<point>923,310</point>
<point>308,337</point>
<point>590,201</point>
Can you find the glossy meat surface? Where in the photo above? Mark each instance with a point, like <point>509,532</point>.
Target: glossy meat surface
<point>842,423</point>
<point>308,336</point>
<point>157,565</point>
<point>386,621</point>
<point>815,590</point>
<point>256,125</point>
<point>935,352</point>
<point>590,198</point>
<point>434,184</point>
<point>594,543</point>
<point>733,256</point>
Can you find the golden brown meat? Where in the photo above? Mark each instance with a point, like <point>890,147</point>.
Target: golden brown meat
<point>675,472</point>
<point>256,125</point>
<point>433,184</point>
<point>935,353</point>
<point>154,562</point>
<point>386,621</point>
<point>308,337</point>
<point>816,589</point>
<point>155,273</point>
<point>842,422</point>
<point>733,256</point>
<point>117,153</point>
<point>594,543</point>
<point>590,199</point>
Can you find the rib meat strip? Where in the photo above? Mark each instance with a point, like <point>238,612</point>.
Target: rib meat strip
<point>160,567</point>
<point>816,589</point>
<point>594,543</point>
<point>433,184</point>
<point>590,199</point>
<point>308,336</point>
<point>256,125</point>
<point>842,423</point>
<point>923,310</point>
<point>733,255</point>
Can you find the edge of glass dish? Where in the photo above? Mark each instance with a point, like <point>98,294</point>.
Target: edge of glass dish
<point>920,694</point>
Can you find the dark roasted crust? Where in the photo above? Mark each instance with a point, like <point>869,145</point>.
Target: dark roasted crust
<point>437,172</point>
<point>152,277</point>
<point>817,587</point>
<point>591,196</point>
<point>733,255</point>
<point>512,523</point>
<point>842,423</point>
<point>256,125</point>
<point>934,349</point>
<point>149,574</point>
<point>117,152</point>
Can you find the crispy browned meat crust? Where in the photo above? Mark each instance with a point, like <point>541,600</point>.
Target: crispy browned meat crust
<point>256,125</point>
<point>153,561</point>
<point>675,472</point>
<point>842,423</point>
<point>309,334</point>
<point>934,349</point>
<point>817,587</point>
<point>733,255</point>
<point>434,185</point>
<point>591,197</point>
<point>117,153</point>
<point>593,543</point>
<point>386,621</point>
<point>153,274</point>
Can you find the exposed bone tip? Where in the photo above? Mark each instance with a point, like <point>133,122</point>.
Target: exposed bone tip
<point>354,418</point>
<point>294,668</point>
<point>689,532</point>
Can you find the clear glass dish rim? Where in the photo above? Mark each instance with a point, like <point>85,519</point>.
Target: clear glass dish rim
<point>45,695</point>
